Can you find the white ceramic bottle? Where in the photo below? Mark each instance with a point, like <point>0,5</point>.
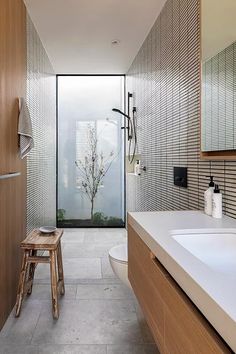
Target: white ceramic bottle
<point>208,196</point>
<point>217,203</point>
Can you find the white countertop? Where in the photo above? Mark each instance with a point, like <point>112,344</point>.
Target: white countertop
<point>213,292</point>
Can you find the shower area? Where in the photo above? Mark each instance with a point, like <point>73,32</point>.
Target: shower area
<point>90,151</point>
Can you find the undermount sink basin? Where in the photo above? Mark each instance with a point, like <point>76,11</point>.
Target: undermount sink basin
<point>216,249</point>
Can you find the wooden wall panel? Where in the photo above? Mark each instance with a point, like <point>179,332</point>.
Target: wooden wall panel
<point>13,190</point>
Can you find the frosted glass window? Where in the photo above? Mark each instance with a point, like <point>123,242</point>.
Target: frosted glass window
<point>90,151</point>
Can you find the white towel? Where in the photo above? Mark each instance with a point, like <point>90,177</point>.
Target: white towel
<point>26,142</point>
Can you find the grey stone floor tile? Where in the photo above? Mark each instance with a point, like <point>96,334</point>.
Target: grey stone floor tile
<point>72,349</point>
<point>74,268</point>
<point>82,268</point>
<point>90,322</point>
<point>107,271</point>
<point>77,281</point>
<point>105,229</point>
<point>42,272</point>
<point>79,229</point>
<point>132,349</point>
<point>87,250</point>
<point>106,291</point>
<point>20,330</point>
<point>42,292</point>
<point>106,236</point>
<point>120,230</point>
<point>7,347</point>
<point>73,237</point>
<point>82,229</point>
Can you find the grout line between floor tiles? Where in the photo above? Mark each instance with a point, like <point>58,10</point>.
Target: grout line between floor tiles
<point>36,324</point>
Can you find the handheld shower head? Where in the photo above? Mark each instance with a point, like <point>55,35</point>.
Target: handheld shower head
<point>129,121</point>
<point>122,113</point>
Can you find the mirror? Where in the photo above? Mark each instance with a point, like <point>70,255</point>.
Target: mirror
<point>218,91</point>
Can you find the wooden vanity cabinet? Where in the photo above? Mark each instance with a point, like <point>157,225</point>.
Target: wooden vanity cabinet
<point>177,325</point>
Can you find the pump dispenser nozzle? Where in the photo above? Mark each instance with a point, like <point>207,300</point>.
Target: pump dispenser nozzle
<point>217,203</point>
<point>208,196</point>
<point>211,183</point>
<point>216,190</point>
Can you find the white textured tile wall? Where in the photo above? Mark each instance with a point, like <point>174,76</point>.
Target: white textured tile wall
<point>165,80</point>
<point>41,163</point>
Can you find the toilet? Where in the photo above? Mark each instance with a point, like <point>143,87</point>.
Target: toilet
<point>118,257</point>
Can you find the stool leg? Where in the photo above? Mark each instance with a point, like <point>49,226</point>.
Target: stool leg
<point>53,269</point>
<point>60,269</point>
<point>20,291</point>
<point>31,273</point>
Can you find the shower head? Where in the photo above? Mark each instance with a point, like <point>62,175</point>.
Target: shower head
<point>119,111</point>
<point>129,121</point>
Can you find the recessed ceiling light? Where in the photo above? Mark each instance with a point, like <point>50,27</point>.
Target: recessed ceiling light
<point>115,42</point>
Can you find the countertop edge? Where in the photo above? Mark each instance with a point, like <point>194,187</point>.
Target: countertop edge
<point>205,303</point>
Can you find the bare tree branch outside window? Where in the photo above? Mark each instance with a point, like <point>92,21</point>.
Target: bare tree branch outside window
<point>93,167</point>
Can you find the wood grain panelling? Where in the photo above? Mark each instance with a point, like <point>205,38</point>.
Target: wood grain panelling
<point>177,325</point>
<point>13,190</point>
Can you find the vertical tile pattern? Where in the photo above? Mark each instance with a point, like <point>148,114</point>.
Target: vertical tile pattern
<point>165,80</point>
<point>41,163</point>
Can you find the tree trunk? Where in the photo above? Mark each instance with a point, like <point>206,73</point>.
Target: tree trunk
<point>92,205</point>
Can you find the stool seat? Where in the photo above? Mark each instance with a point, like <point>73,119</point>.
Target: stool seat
<point>37,240</point>
<point>34,242</point>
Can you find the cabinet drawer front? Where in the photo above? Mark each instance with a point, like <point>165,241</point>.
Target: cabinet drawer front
<point>174,320</point>
<point>186,323</point>
<point>149,299</point>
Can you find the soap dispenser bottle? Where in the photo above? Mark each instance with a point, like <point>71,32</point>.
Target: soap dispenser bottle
<point>217,203</point>
<point>208,196</point>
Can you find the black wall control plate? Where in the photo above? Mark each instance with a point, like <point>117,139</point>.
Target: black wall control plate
<point>180,177</point>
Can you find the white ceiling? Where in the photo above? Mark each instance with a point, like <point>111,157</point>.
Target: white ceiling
<point>77,34</point>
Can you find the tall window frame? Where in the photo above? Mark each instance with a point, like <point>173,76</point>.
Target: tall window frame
<point>123,147</point>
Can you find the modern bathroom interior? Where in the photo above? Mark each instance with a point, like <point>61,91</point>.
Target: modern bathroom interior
<point>117,177</point>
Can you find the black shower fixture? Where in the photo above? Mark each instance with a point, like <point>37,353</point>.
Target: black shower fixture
<point>129,119</point>
<point>119,111</point>
<point>131,127</point>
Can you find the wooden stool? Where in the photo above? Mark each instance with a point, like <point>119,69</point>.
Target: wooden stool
<point>37,241</point>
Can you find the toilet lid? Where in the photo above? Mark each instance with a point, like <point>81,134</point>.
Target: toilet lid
<point>119,253</point>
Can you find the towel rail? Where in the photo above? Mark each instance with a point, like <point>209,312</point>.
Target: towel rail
<point>10,175</point>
